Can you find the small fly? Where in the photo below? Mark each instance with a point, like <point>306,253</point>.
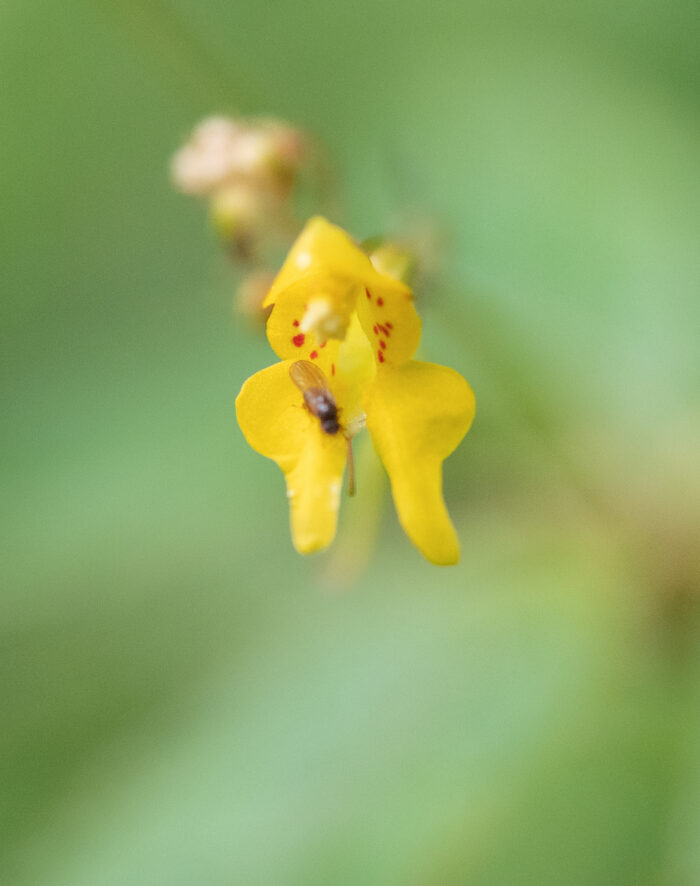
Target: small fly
<point>319,400</point>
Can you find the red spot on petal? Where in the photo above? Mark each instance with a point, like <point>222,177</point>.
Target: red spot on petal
<point>332,368</point>
<point>380,301</point>
<point>313,355</point>
<point>382,344</point>
<point>376,330</point>
<point>298,340</point>
<point>323,344</point>
<point>380,356</point>
<point>295,323</point>
<point>367,293</point>
<point>389,325</point>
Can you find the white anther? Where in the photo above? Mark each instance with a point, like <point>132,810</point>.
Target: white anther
<point>322,319</point>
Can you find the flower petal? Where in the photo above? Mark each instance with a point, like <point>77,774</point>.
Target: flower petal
<point>417,414</point>
<point>274,421</point>
<point>390,321</point>
<point>355,373</point>
<point>321,248</point>
<point>326,264</point>
<point>284,331</point>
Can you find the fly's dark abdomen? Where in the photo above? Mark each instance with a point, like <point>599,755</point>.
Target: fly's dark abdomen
<point>321,404</point>
<point>330,425</point>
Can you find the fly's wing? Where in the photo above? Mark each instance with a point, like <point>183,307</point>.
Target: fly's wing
<point>307,375</point>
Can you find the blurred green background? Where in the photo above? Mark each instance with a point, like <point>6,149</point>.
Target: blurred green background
<point>184,700</point>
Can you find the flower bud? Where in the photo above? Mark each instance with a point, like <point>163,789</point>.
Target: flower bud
<point>237,211</point>
<point>222,151</point>
<point>249,297</point>
<point>392,259</point>
<point>204,163</point>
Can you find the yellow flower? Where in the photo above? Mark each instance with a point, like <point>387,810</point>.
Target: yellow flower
<point>360,328</point>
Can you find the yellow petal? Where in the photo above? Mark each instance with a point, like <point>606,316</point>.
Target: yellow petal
<point>321,248</point>
<point>325,265</point>
<point>355,372</point>
<point>417,414</point>
<point>274,421</point>
<point>390,321</point>
<point>284,326</point>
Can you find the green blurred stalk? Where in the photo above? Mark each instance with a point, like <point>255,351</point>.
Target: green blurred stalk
<point>662,553</point>
<point>361,519</point>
